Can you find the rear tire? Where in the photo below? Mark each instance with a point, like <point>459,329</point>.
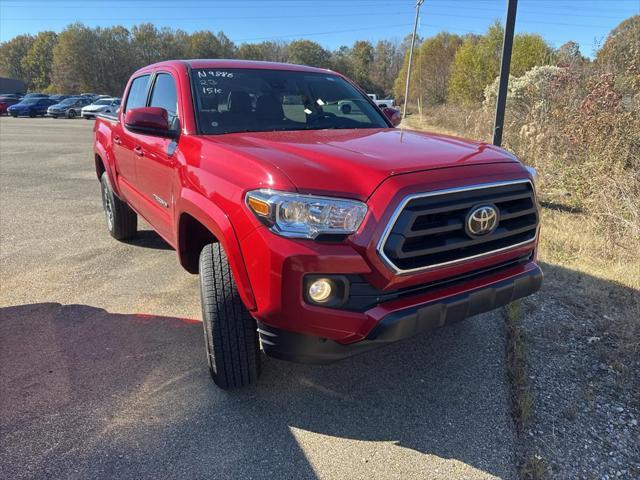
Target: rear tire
<point>71,114</point>
<point>122,221</point>
<point>230,334</point>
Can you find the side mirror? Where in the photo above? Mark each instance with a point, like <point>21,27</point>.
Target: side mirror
<point>392,115</point>
<point>149,121</point>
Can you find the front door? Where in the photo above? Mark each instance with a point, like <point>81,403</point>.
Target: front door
<point>125,142</point>
<point>156,162</point>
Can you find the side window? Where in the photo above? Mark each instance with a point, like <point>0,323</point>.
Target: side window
<point>137,93</point>
<point>165,96</point>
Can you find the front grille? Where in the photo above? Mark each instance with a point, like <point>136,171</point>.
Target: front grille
<point>428,229</point>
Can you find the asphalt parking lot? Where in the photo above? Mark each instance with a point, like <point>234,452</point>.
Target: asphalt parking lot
<point>103,373</point>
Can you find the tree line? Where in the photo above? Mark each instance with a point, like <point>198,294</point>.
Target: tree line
<point>448,68</point>
<point>101,59</point>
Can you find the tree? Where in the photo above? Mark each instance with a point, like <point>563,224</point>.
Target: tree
<point>306,52</point>
<point>11,55</point>
<point>568,56</point>
<point>227,47</point>
<point>620,53</point>
<point>72,69</point>
<point>265,51</point>
<point>341,61</point>
<point>112,62</point>
<point>433,67</point>
<point>477,62</point>
<point>385,68</point>
<point>146,44</point>
<point>37,62</point>
<point>529,50</point>
<point>361,63</point>
<point>204,44</point>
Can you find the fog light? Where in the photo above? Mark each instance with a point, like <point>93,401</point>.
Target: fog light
<point>320,290</point>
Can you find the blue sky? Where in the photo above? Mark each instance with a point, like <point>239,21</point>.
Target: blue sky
<point>329,22</point>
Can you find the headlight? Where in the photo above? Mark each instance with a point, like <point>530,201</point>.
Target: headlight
<point>305,216</point>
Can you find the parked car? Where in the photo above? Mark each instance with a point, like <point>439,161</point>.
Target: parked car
<point>30,107</point>
<point>317,234</point>
<point>102,105</point>
<point>16,96</point>
<point>69,107</point>
<point>59,97</point>
<point>36,95</point>
<point>381,102</point>
<point>6,102</point>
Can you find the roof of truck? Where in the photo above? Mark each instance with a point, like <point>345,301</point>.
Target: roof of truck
<point>225,63</point>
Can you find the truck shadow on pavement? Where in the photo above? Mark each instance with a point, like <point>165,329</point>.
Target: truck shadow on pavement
<point>149,239</point>
<point>91,394</point>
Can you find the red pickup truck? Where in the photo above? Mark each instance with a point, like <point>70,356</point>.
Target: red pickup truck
<point>318,229</point>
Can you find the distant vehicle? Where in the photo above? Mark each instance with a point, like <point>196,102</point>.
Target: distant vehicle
<point>102,105</point>
<point>69,107</point>
<point>36,95</point>
<point>11,85</point>
<point>59,98</point>
<point>17,96</point>
<point>6,102</point>
<point>381,102</point>
<point>30,107</point>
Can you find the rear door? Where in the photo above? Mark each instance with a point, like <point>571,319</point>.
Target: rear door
<point>124,143</point>
<point>156,161</point>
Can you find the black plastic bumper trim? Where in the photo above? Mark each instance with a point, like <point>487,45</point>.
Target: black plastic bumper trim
<point>402,324</point>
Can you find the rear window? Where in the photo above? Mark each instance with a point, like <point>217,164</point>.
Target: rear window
<point>164,95</point>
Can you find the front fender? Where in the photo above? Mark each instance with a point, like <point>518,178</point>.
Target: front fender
<point>218,223</point>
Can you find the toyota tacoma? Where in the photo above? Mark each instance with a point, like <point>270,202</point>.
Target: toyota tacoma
<point>317,228</point>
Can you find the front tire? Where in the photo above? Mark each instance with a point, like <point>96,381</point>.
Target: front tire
<point>122,221</point>
<point>231,338</point>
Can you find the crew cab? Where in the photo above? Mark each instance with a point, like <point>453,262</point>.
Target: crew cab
<point>317,228</point>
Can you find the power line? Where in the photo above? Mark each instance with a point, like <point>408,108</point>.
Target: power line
<point>320,33</point>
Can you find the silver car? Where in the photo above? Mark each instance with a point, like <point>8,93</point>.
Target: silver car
<point>102,105</point>
<point>69,107</point>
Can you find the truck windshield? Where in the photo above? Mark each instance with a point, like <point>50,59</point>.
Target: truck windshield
<point>255,100</point>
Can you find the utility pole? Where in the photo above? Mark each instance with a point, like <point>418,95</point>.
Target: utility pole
<point>505,66</point>
<point>413,42</point>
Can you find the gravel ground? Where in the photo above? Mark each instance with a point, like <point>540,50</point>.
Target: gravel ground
<point>587,407</point>
<point>103,374</point>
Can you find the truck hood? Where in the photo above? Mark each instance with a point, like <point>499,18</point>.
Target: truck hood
<point>352,163</point>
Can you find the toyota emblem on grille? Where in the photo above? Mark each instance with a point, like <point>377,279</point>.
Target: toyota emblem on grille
<point>482,220</point>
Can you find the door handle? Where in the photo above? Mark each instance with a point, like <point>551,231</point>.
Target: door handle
<point>117,140</point>
<point>139,151</point>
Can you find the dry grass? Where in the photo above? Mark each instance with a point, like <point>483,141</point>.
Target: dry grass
<point>533,468</point>
<point>592,259</point>
<point>521,397</point>
<point>604,257</point>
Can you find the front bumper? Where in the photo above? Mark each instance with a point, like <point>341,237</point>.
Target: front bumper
<point>403,323</point>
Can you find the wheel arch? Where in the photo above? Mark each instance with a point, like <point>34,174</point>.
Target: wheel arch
<point>200,222</point>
